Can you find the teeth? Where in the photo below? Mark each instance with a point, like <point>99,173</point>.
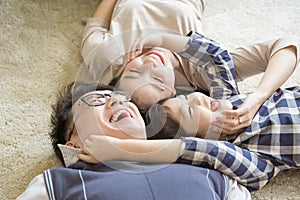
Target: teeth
<point>116,116</point>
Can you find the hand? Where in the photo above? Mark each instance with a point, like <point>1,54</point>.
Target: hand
<point>149,41</point>
<point>87,157</point>
<point>228,123</point>
<point>234,121</point>
<point>99,148</point>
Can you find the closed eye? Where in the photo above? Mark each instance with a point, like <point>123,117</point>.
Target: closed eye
<point>132,74</point>
<point>158,88</point>
<point>158,79</point>
<point>190,111</point>
<point>134,71</point>
<point>189,107</point>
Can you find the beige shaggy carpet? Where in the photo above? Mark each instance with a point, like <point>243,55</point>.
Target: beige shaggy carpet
<point>39,43</point>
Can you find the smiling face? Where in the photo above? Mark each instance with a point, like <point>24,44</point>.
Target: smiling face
<point>116,117</point>
<point>149,77</point>
<point>195,112</point>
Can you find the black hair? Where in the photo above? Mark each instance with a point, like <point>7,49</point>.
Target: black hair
<point>159,125</point>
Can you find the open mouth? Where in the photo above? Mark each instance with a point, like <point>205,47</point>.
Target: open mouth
<point>119,115</point>
<point>157,55</point>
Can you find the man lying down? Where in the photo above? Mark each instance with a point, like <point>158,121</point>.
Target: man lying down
<point>97,108</point>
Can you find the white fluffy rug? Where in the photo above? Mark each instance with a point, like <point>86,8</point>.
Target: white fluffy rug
<point>39,44</point>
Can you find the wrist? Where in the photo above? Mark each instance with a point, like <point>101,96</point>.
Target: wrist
<point>173,42</point>
<point>260,96</point>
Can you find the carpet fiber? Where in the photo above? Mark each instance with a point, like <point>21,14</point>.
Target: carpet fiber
<point>40,42</point>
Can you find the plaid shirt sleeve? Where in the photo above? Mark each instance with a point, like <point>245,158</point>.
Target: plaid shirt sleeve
<point>213,61</point>
<point>240,164</point>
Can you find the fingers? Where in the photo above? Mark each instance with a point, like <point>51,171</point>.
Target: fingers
<point>236,117</point>
<point>230,118</point>
<point>129,56</point>
<point>229,126</point>
<point>229,123</point>
<point>87,158</point>
<point>135,49</point>
<point>134,53</point>
<point>141,43</point>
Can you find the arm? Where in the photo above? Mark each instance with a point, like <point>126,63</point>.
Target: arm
<point>240,164</point>
<point>103,148</point>
<point>279,68</point>
<point>105,10</point>
<point>246,167</point>
<point>97,27</point>
<point>210,58</point>
<point>215,63</point>
<point>168,41</point>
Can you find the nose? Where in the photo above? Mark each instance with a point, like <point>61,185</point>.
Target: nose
<point>148,61</point>
<point>199,99</point>
<point>194,100</point>
<point>151,63</point>
<point>114,100</point>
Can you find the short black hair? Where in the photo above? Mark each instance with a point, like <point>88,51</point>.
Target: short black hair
<point>159,125</point>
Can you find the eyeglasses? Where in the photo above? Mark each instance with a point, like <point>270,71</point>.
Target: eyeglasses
<point>98,99</point>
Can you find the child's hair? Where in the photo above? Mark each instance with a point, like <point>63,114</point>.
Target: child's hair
<point>62,111</point>
<point>159,125</point>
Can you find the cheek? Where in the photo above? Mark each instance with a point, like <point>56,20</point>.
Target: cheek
<point>87,124</point>
<point>136,112</point>
<point>190,126</point>
<point>199,123</point>
<point>169,77</point>
<point>78,141</point>
<point>102,116</point>
<point>205,119</point>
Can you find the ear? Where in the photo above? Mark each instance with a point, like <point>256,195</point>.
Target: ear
<point>73,144</point>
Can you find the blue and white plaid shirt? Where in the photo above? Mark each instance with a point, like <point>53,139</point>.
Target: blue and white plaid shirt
<point>269,145</point>
<point>214,62</point>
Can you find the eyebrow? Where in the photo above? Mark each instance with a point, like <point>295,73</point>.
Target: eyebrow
<point>168,111</point>
<point>160,89</point>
